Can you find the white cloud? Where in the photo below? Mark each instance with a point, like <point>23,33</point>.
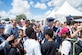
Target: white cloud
<point>38,17</point>
<point>76,3</point>
<point>40,5</point>
<point>4,14</point>
<point>31,2</point>
<point>50,3</point>
<point>44,0</point>
<point>55,3</point>
<point>47,12</point>
<point>80,8</point>
<point>12,16</point>
<point>20,7</point>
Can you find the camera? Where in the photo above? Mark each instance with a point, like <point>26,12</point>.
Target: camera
<point>12,41</point>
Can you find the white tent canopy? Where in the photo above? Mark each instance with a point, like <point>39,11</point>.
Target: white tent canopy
<point>66,10</point>
<point>51,14</point>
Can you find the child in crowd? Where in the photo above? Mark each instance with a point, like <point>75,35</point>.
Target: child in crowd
<point>21,46</point>
<point>49,47</point>
<point>66,44</point>
<point>31,46</point>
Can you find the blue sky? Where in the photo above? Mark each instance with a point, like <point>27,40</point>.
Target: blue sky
<point>33,8</point>
<point>6,5</point>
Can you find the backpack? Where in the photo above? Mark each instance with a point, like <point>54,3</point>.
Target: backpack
<point>78,48</point>
<point>72,46</point>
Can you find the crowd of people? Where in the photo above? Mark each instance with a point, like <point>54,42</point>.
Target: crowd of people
<point>30,38</point>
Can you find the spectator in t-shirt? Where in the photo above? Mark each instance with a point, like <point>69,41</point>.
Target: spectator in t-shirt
<point>6,42</point>
<point>14,44</point>
<point>31,46</point>
<point>49,47</point>
<point>66,45</point>
<point>19,25</point>
<point>73,29</point>
<point>14,29</point>
<point>66,40</point>
<point>49,25</point>
<point>4,45</point>
<point>21,45</point>
<point>27,24</point>
<point>78,46</point>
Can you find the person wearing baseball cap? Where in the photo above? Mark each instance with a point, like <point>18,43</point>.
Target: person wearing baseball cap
<point>67,38</point>
<point>64,32</point>
<point>65,45</point>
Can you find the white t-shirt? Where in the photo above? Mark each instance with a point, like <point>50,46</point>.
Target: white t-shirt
<point>66,46</point>
<point>24,28</point>
<point>19,27</point>
<point>7,29</point>
<point>32,47</point>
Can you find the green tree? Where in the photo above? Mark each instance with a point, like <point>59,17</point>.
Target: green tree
<point>7,19</point>
<point>37,21</point>
<point>33,20</point>
<point>21,16</point>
